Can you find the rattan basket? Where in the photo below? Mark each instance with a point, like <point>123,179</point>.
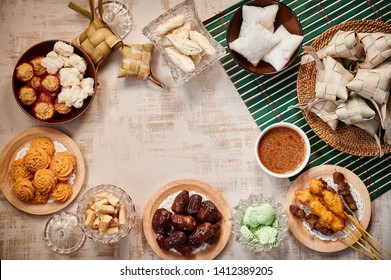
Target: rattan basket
<point>348,139</point>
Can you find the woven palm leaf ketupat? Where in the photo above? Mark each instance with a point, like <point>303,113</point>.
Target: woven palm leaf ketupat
<point>377,47</point>
<point>98,41</point>
<point>354,110</point>
<point>136,61</point>
<point>344,44</point>
<point>348,139</point>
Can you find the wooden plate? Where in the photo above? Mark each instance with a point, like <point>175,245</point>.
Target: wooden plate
<point>201,188</point>
<point>8,155</point>
<point>296,226</point>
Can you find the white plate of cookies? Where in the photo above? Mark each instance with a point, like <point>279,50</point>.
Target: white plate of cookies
<point>41,171</point>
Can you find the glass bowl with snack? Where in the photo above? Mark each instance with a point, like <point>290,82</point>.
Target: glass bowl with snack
<point>184,42</point>
<point>106,213</point>
<point>259,223</point>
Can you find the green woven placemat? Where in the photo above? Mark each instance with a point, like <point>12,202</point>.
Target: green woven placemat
<point>268,97</point>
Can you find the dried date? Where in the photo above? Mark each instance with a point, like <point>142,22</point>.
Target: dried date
<point>194,205</point>
<point>161,221</point>
<point>183,222</point>
<point>160,241</point>
<point>180,202</point>
<point>216,235</point>
<point>208,212</point>
<point>175,239</point>
<point>201,233</point>
<point>185,249</point>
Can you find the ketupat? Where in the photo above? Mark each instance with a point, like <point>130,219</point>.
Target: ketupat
<point>98,41</point>
<point>136,63</point>
<point>377,47</point>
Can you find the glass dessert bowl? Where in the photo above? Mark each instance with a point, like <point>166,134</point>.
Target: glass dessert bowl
<point>190,21</point>
<point>106,213</point>
<point>259,223</point>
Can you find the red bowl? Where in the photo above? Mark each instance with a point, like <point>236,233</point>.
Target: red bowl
<point>284,16</point>
<point>41,49</point>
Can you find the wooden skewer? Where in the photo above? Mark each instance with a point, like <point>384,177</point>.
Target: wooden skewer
<point>360,229</point>
<point>362,246</point>
<point>364,238</point>
<point>354,248</point>
<point>370,246</point>
<point>358,225</point>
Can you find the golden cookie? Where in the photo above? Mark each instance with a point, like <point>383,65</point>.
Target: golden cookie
<point>44,181</point>
<point>43,143</point>
<point>19,170</point>
<point>36,158</point>
<point>23,189</point>
<point>41,198</point>
<point>63,164</point>
<point>62,192</point>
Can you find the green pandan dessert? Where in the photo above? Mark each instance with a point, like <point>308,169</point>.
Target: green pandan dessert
<point>266,235</point>
<point>248,235</point>
<point>261,214</point>
<point>259,224</point>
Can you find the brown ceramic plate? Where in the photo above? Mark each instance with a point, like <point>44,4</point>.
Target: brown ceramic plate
<point>296,226</point>
<point>41,49</point>
<point>7,157</point>
<point>284,16</point>
<point>169,189</point>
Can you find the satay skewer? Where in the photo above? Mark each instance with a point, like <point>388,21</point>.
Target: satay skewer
<point>365,241</point>
<point>354,248</point>
<point>356,241</point>
<point>358,225</point>
<point>300,214</point>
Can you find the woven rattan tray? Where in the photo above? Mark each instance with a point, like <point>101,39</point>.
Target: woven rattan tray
<point>348,139</point>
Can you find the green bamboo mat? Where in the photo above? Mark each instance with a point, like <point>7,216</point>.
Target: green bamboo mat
<point>268,97</point>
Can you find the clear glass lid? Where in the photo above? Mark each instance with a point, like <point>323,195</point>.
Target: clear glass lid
<point>63,233</point>
<point>117,16</point>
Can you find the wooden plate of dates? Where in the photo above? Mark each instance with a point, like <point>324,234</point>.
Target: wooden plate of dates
<point>187,219</point>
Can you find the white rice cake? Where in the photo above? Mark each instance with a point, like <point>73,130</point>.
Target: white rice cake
<point>279,55</point>
<point>255,43</point>
<point>264,16</point>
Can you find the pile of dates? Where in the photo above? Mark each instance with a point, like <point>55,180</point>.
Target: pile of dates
<point>193,222</point>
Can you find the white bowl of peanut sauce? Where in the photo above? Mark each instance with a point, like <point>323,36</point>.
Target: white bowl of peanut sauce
<point>282,150</point>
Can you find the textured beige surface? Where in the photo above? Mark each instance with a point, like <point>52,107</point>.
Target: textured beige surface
<point>139,137</point>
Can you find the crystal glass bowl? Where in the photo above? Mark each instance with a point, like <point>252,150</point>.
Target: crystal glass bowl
<point>188,9</point>
<point>238,214</point>
<point>124,199</point>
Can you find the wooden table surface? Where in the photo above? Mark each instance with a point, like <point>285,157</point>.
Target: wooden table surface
<point>139,137</point>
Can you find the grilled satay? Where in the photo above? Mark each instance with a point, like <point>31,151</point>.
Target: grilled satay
<point>344,190</point>
<point>297,211</point>
<point>315,224</point>
<point>326,217</point>
<point>329,198</point>
<point>334,203</point>
<point>312,220</point>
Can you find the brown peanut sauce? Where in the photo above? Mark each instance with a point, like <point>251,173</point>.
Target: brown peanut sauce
<point>282,150</point>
